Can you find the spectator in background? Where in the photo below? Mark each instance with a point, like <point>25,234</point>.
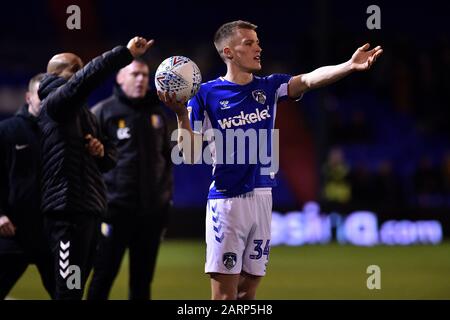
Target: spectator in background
<point>362,184</point>
<point>337,188</point>
<point>336,128</point>
<point>388,187</point>
<point>446,178</point>
<point>358,130</point>
<point>139,189</point>
<point>22,239</point>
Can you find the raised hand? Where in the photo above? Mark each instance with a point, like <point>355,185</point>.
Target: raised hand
<point>363,58</point>
<point>138,46</point>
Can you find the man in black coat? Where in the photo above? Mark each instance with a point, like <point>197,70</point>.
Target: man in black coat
<point>22,239</point>
<point>139,188</point>
<point>74,155</point>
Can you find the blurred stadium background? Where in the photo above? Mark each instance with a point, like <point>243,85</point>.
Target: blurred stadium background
<point>365,163</point>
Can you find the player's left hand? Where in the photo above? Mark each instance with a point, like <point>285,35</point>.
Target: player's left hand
<point>363,58</point>
<point>94,146</point>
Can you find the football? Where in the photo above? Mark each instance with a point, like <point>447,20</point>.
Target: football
<point>179,75</point>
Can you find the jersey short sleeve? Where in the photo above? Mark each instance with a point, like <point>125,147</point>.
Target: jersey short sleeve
<point>280,85</point>
<point>196,109</point>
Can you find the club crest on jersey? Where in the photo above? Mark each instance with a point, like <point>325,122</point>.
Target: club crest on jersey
<point>224,104</point>
<point>259,96</point>
<point>229,260</point>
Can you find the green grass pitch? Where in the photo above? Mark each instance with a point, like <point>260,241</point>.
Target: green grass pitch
<point>308,272</point>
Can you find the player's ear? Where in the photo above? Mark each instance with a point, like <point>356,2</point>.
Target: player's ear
<point>227,53</point>
<point>119,77</point>
<point>28,97</point>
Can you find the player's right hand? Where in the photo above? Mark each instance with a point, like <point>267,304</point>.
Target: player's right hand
<point>7,228</point>
<point>138,46</point>
<point>179,107</point>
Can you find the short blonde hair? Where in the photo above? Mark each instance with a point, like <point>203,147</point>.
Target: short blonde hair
<point>227,30</point>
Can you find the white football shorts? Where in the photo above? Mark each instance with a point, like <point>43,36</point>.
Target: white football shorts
<point>238,233</point>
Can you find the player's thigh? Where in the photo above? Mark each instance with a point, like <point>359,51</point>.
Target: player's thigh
<point>225,234</point>
<point>256,255</point>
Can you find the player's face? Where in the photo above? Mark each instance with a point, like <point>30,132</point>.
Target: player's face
<point>245,50</point>
<point>133,79</point>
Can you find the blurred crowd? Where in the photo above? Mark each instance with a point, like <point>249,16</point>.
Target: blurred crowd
<point>389,147</point>
<point>383,187</point>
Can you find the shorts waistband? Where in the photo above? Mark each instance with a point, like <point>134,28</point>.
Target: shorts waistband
<point>256,192</point>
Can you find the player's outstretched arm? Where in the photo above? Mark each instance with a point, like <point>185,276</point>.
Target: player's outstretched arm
<point>189,142</point>
<point>361,60</point>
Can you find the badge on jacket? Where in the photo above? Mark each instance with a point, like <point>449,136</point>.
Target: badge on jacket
<point>156,121</point>
<point>106,229</point>
<point>123,132</point>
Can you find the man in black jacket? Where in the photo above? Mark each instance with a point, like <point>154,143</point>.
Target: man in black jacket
<point>139,188</point>
<point>74,155</point>
<point>22,239</point>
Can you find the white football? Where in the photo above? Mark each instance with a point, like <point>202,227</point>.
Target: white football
<point>179,75</point>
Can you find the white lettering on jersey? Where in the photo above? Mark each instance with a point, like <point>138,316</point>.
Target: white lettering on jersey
<point>243,119</point>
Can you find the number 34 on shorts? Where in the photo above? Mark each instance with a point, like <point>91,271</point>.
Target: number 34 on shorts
<point>259,250</point>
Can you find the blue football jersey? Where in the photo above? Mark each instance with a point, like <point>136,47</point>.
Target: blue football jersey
<point>238,122</point>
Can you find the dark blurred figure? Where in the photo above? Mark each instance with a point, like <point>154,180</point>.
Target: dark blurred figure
<point>336,128</point>
<point>388,187</point>
<point>443,86</point>
<point>446,178</point>
<point>428,184</point>
<point>358,131</point>
<point>362,184</point>
<point>139,188</point>
<point>74,155</point>
<point>402,92</point>
<point>336,184</point>
<point>22,239</point>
